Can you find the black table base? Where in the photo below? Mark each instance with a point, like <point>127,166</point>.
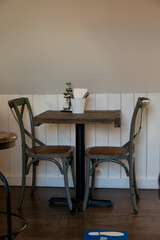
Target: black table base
<point>80,165</point>
<point>100,202</point>
<point>80,176</point>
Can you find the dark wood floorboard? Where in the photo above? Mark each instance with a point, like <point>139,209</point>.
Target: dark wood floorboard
<point>55,222</point>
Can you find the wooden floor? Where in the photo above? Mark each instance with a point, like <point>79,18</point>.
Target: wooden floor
<point>55,222</point>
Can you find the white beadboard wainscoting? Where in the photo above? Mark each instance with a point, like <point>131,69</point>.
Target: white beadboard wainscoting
<point>112,176</point>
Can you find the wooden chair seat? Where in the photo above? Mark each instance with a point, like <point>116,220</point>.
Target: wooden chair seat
<point>112,151</point>
<point>51,149</point>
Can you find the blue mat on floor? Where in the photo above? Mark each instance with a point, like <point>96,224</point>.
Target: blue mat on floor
<point>105,235</point>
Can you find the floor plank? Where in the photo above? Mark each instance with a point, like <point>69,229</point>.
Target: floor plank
<point>55,222</point>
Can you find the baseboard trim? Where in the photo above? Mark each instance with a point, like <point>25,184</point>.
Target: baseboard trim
<point>50,181</point>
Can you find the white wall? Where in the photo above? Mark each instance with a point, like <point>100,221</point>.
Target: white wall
<point>104,45</point>
<point>148,144</point>
<point>110,47</point>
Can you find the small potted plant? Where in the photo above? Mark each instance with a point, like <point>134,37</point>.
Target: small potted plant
<point>67,95</point>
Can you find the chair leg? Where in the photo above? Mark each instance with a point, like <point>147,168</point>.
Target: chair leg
<point>33,178</point>
<point>92,181</point>
<point>65,172</point>
<point>73,172</point>
<point>92,185</point>
<point>132,193</point>
<point>23,183</point>
<point>135,182</point>
<point>87,185</point>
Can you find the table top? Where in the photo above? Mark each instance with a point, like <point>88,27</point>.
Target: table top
<point>89,116</point>
<point>7,139</point>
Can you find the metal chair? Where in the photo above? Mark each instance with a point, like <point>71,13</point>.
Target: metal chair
<point>97,155</point>
<point>11,234</point>
<point>32,155</point>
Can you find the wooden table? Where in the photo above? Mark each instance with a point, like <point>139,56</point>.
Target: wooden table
<point>89,117</point>
<point>7,139</point>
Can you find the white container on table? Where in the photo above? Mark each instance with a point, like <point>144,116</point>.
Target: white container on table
<point>78,105</point>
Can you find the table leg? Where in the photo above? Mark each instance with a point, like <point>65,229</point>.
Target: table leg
<point>80,166</point>
<point>80,170</point>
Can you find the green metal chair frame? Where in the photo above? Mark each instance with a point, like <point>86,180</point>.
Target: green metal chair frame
<point>97,155</point>
<point>32,155</point>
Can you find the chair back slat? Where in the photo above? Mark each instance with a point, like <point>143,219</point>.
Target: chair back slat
<point>21,108</point>
<point>142,102</point>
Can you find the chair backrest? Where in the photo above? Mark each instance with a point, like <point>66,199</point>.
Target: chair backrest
<point>142,102</point>
<point>18,107</point>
